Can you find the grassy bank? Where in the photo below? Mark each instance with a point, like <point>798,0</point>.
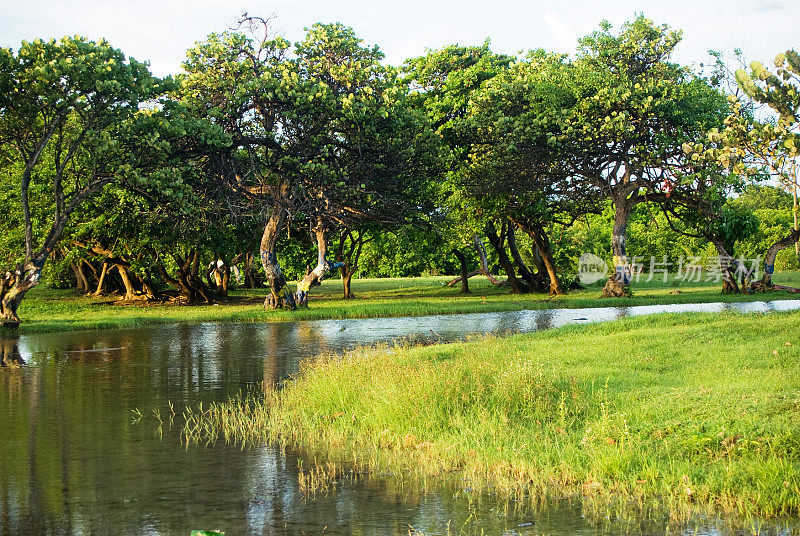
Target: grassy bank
<point>689,414</point>
<point>53,310</point>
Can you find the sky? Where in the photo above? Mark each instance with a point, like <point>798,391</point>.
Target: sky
<point>160,31</point>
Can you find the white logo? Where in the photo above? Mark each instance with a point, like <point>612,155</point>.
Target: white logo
<point>591,269</point>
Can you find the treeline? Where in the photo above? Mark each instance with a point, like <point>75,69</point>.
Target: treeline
<point>264,162</point>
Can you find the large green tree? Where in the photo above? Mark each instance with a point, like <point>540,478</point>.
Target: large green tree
<point>247,86</point>
<point>321,135</point>
<point>374,152</point>
<point>444,82</point>
<point>513,174</point>
<point>77,115</point>
<point>633,111</point>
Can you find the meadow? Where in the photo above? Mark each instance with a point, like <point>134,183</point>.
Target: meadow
<point>47,309</point>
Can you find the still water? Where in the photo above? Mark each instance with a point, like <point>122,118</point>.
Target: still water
<point>75,459</point>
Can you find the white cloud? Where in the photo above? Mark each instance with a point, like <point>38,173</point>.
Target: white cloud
<point>564,36</point>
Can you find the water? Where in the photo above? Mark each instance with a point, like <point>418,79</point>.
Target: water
<point>75,459</point>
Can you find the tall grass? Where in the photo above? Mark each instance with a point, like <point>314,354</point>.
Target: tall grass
<point>686,414</point>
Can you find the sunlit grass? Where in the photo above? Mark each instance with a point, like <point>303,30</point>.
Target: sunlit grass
<point>56,310</point>
<point>688,414</point>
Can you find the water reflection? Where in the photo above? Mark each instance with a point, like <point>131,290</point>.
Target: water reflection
<point>73,459</point>
<point>9,353</point>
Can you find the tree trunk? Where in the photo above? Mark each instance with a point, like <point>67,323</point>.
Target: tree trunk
<point>148,288</point>
<point>497,242</point>
<point>544,254</point>
<point>187,280</point>
<point>524,272</point>
<point>251,279</point>
<point>101,283</point>
<point>347,277</point>
<point>729,285</point>
<point>226,280</point>
<point>349,259</point>
<point>769,263</point>
<point>219,277</point>
<point>130,291</point>
<point>481,251</point>
<point>279,296</point>
<point>462,260</point>
<point>618,283</point>
<point>13,287</point>
<point>321,270</point>
<point>81,282</point>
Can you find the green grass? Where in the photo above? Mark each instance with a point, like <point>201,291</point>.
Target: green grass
<point>689,414</point>
<point>54,310</point>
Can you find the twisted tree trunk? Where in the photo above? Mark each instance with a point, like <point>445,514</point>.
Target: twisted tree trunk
<point>769,264</point>
<point>130,291</point>
<point>187,278</point>
<point>619,281</point>
<point>544,254</point>
<point>279,296</point>
<point>13,287</point>
<point>315,277</point>
<point>727,267</point>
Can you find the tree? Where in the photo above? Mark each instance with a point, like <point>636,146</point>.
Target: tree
<point>374,153</point>
<point>443,83</point>
<point>633,111</point>
<point>248,87</point>
<point>781,144</point>
<point>513,173</point>
<point>78,116</point>
<point>322,138</point>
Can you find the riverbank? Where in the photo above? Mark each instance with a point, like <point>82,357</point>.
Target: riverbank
<point>683,413</point>
<point>47,310</point>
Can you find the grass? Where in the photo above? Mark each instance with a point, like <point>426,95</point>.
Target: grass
<point>689,414</point>
<point>57,310</point>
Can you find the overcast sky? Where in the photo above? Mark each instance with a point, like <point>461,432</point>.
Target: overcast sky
<point>161,30</point>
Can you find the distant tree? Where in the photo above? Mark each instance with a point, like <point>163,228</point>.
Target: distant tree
<point>514,174</point>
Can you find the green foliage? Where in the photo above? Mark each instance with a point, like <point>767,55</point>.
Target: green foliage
<point>409,252</point>
<point>324,130</point>
<point>444,83</point>
<point>773,207</point>
<point>79,117</point>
